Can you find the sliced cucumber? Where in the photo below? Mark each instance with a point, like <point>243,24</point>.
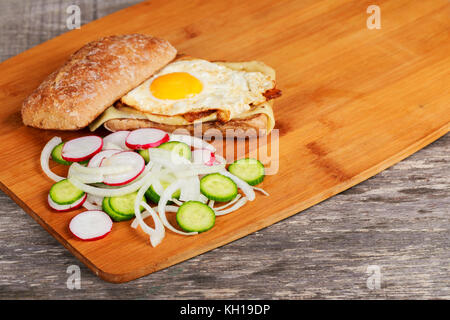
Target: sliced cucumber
<point>114,215</point>
<point>180,148</point>
<point>248,169</point>
<point>194,216</point>
<point>120,208</point>
<point>64,192</point>
<point>153,196</point>
<point>56,155</point>
<point>217,187</point>
<point>144,154</point>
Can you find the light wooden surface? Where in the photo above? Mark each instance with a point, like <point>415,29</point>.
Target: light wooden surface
<point>409,244</point>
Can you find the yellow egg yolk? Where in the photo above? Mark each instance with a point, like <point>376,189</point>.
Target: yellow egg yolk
<point>175,86</point>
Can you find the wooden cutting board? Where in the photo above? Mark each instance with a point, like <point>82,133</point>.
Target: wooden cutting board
<point>355,101</point>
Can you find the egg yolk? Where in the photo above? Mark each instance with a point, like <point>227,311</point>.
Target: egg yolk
<point>175,86</point>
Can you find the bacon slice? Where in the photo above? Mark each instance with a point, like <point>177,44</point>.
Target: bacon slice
<point>272,93</point>
<point>192,116</point>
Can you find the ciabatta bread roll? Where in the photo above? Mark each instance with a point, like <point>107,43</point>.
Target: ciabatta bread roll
<point>93,78</point>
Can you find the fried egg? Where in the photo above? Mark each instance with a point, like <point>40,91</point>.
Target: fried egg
<point>199,85</point>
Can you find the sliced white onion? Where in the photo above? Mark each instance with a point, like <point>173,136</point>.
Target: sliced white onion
<point>244,186</point>
<point>220,159</point>
<point>165,197</point>
<point>176,201</point>
<point>264,192</point>
<point>114,192</point>
<point>45,157</point>
<point>167,158</point>
<point>203,198</point>
<point>91,206</point>
<point>156,234</point>
<point>146,214</point>
<point>157,186</point>
<point>211,203</point>
<point>236,206</point>
<point>112,169</point>
<point>116,140</point>
<point>190,189</point>
<point>93,202</point>
<point>85,178</point>
<point>95,199</point>
<point>196,169</point>
<point>192,141</point>
<point>229,203</point>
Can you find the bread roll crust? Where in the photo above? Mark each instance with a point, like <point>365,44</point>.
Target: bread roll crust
<point>93,78</point>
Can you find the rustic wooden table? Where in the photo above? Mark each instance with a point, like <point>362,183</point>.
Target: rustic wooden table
<point>394,227</point>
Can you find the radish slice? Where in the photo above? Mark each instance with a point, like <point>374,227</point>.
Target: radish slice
<point>203,156</point>
<point>80,149</point>
<point>113,192</point>
<point>91,225</point>
<point>124,158</point>
<point>97,159</point>
<point>66,207</point>
<point>146,138</point>
<point>116,139</point>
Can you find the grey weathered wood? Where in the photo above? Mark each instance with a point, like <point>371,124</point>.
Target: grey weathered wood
<point>397,220</point>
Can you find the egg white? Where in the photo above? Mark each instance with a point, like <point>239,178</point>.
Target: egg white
<point>223,89</point>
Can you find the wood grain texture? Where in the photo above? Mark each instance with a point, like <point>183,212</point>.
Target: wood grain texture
<point>400,222</point>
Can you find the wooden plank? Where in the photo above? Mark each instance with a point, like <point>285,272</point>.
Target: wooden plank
<point>344,125</point>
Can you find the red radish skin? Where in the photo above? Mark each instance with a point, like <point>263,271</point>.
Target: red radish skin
<point>68,207</point>
<point>146,138</point>
<point>204,156</point>
<point>85,220</point>
<point>212,159</point>
<point>133,156</point>
<point>71,150</point>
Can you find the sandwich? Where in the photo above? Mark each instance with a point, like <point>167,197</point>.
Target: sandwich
<point>126,82</point>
